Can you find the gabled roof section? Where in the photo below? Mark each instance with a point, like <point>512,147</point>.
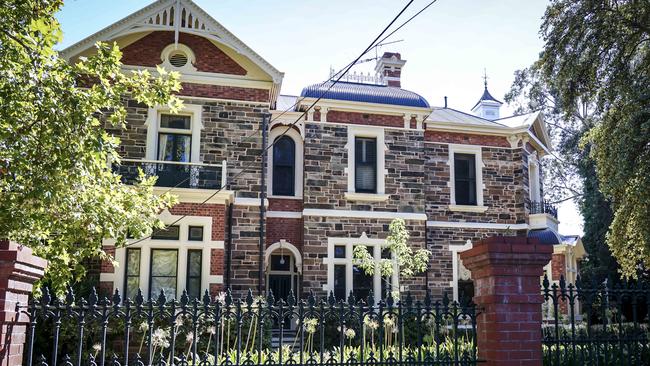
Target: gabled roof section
<point>486,97</point>
<point>366,93</point>
<point>161,16</point>
<point>450,115</point>
<point>533,122</point>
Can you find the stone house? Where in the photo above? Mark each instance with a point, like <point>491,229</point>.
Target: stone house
<point>368,152</point>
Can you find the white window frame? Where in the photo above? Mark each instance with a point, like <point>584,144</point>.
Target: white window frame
<point>182,245</point>
<point>152,123</point>
<point>455,249</point>
<point>348,261</point>
<point>378,134</point>
<point>477,151</point>
<point>534,185</point>
<point>167,51</point>
<point>298,165</point>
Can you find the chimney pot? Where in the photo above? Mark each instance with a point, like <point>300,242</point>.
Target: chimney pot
<point>445,101</point>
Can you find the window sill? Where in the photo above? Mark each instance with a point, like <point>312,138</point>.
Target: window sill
<point>285,197</point>
<point>367,197</point>
<point>467,208</point>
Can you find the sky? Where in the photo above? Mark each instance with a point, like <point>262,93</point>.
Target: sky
<point>447,47</point>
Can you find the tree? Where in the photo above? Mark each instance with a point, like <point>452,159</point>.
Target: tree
<point>404,260</point>
<point>570,171</point>
<point>58,194</point>
<point>599,51</point>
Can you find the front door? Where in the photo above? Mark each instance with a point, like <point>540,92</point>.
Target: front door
<point>281,279</point>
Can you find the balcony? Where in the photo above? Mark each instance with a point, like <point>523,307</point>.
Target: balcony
<point>173,173</point>
<point>542,207</point>
<point>543,215</point>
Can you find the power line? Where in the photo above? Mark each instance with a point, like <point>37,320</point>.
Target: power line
<point>376,45</point>
<point>372,45</point>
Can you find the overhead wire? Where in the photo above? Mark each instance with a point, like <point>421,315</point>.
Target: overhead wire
<point>372,45</point>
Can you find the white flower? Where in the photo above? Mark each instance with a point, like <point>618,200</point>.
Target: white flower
<point>189,337</point>
<point>179,321</point>
<point>211,330</point>
<point>350,333</point>
<point>310,325</point>
<point>97,347</point>
<point>144,327</point>
<point>160,338</point>
<point>389,322</point>
<point>370,323</point>
<point>220,298</point>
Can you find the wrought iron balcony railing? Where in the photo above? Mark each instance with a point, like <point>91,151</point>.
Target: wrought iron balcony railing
<point>540,207</point>
<point>174,173</point>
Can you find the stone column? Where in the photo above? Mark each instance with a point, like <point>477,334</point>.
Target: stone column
<point>19,269</point>
<point>506,273</point>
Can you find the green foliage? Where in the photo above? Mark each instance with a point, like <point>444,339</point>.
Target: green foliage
<point>606,61</point>
<point>58,194</point>
<point>405,260</point>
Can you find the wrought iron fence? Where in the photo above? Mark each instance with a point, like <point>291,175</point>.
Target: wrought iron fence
<point>250,331</point>
<point>539,207</point>
<point>596,324</point>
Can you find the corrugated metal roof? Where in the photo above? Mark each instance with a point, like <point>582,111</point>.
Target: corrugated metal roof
<point>519,120</point>
<point>367,93</point>
<point>286,102</point>
<point>545,236</point>
<point>451,115</point>
<point>570,239</point>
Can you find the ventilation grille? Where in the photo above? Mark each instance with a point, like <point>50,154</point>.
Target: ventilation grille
<point>178,59</point>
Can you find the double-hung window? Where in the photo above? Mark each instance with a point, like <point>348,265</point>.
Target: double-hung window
<point>344,276</point>
<point>365,165</point>
<point>284,163</point>
<point>175,138</point>
<point>132,277</point>
<point>194,259</point>
<point>163,272</point>
<point>465,179</point>
<point>174,145</point>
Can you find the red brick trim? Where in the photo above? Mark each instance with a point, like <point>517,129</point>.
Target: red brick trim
<point>216,262</point>
<point>209,58</point>
<point>285,204</point>
<point>224,92</point>
<point>465,138</point>
<point>280,228</point>
<point>106,265</point>
<point>365,119</point>
<point>216,211</point>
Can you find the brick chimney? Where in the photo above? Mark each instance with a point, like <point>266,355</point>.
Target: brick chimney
<point>390,67</point>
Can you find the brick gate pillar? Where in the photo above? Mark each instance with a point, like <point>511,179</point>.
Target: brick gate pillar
<point>506,273</point>
<point>19,269</point>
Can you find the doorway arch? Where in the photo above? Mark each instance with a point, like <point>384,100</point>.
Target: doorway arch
<point>283,267</point>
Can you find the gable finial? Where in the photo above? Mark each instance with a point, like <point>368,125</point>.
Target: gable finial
<point>485,77</point>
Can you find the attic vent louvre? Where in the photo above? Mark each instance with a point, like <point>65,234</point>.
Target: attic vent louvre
<point>178,59</point>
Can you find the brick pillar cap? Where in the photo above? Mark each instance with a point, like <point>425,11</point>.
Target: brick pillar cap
<point>503,255</point>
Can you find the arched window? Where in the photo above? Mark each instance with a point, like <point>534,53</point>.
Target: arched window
<point>284,163</point>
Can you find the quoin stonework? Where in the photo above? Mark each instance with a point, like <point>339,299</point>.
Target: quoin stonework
<point>368,152</point>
